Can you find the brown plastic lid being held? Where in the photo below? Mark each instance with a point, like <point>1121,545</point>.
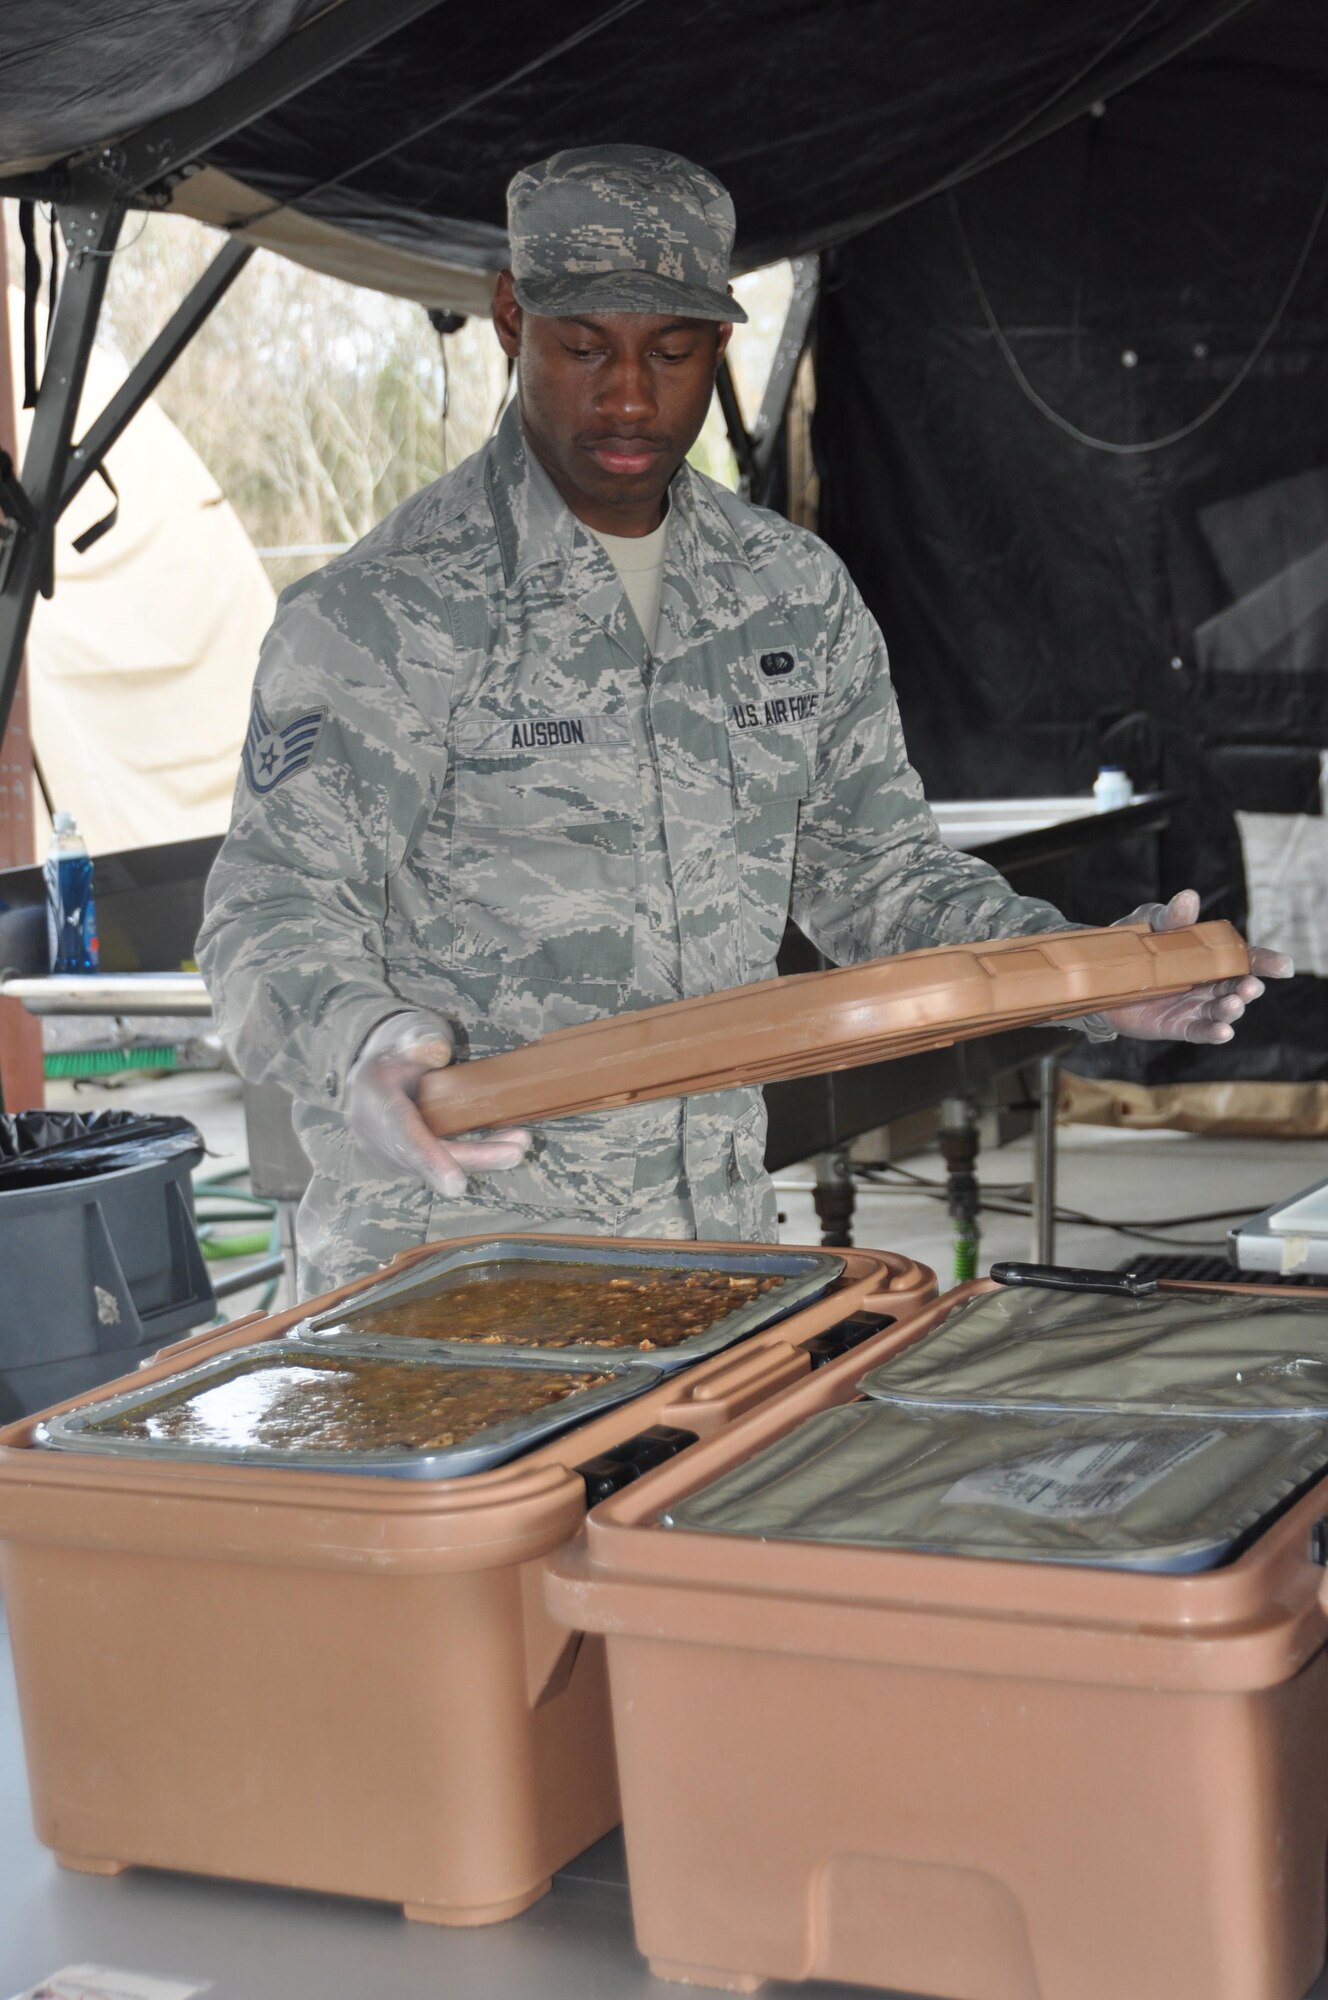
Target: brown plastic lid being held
<point>818,1021</point>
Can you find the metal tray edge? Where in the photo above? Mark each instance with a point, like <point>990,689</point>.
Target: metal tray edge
<point>504,1442</point>
<point>825,1269</point>
<point>667,1255</point>
<point>1005,1406</point>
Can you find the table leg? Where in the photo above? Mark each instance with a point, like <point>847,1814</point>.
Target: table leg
<point>835,1198</point>
<point>958,1139</point>
<point>1044,1169</point>
<point>287,1212</point>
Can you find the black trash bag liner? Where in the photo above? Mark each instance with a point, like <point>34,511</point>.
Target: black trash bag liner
<point>52,1148</point>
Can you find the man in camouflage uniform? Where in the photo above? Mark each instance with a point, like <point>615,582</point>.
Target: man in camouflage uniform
<point>480,802</point>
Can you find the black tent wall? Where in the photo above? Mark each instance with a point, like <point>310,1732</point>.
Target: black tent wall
<point>1041,598</point>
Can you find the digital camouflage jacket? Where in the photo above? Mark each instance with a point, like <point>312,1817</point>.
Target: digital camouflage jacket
<point>467,787</point>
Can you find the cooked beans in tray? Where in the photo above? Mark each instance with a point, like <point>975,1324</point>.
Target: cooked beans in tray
<point>565,1305</point>
<point>327,1402</point>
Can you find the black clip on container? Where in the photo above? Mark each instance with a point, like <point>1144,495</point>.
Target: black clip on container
<point>623,1463</point>
<point>841,1339</point>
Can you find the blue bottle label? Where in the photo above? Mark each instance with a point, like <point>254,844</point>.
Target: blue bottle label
<point>71,918</point>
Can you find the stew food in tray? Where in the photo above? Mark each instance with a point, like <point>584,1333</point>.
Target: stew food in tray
<point>571,1305</point>
<point>330,1402</point>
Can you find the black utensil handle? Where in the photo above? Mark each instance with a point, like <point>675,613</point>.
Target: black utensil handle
<point>1066,1278</point>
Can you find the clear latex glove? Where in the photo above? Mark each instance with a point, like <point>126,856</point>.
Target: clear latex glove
<point>1204,1013</point>
<point>380,1106</point>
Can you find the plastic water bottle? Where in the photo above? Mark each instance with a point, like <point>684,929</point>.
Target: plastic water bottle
<point>71,913</point>
<point>1112,789</point>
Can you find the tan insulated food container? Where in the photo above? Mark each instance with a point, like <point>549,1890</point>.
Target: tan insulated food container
<point>340,1682</point>
<point>988,1780</point>
<point>820,1021</point>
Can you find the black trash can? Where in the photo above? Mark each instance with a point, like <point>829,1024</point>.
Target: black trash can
<point>99,1258</point>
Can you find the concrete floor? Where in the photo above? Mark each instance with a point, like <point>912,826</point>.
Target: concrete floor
<point>1140,1177</point>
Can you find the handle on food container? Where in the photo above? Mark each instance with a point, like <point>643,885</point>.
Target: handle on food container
<point>706,1400</point>
<point>904,1277</point>
<point>1069,1278</point>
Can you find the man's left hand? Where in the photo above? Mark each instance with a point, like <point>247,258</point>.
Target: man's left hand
<point>1204,1013</point>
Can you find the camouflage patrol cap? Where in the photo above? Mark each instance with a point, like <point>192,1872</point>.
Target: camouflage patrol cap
<point>607,229</point>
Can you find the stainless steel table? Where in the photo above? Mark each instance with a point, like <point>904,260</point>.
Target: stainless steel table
<point>119,995</point>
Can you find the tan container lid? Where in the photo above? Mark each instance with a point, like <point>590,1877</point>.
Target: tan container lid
<point>820,1021</point>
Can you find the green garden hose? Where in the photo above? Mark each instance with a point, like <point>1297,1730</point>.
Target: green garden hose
<point>66,1063</point>
<point>219,1188</point>
<point>224,1205</point>
<point>965,1253</point>
<point>258,1243</point>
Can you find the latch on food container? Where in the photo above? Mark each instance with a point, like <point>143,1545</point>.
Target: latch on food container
<point>622,1463</point>
<point>841,1339</point>
<point>1318,1553</point>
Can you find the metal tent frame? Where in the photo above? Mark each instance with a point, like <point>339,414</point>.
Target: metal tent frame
<point>92,193</point>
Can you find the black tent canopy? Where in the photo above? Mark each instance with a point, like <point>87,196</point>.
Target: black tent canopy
<point>822,115</point>
<point>374,139</point>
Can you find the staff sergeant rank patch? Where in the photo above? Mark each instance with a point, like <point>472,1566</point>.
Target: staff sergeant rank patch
<point>272,754</point>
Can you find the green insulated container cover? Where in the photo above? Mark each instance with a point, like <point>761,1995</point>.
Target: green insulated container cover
<point>1126,1491</point>
<point>1196,1353</point>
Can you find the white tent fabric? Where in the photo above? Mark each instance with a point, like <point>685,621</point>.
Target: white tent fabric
<point>140,666</point>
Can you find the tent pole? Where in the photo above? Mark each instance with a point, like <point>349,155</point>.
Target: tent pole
<point>755,449</point>
<point>87,456</point>
<point>22,1086</point>
<point>765,432</point>
<point>734,425</point>
<point>90,226</point>
<point>53,472</point>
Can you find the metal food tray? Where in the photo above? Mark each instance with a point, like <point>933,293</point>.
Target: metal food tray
<point>810,1274</point>
<point>77,1430</point>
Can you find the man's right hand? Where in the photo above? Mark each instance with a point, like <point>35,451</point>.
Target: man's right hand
<point>380,1106</point>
